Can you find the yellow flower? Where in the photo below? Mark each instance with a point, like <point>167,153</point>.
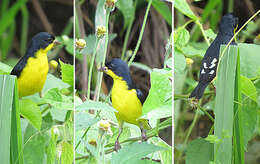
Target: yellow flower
<point>189,61</point>
<point>101,30</point>
<point>110,4</point>
<point>80,44</point>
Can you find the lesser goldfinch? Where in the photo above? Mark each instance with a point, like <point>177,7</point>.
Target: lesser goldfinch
<point>32,68</point>
<point>210,60</point>
<point>125,97</point>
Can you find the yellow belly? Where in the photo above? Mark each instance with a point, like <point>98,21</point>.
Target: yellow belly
<point>126,103</point>
<point>34,74</point>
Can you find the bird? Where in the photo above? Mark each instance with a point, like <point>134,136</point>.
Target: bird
<point>125,97</point>
<point>32,69</point>
<point>210,60</point>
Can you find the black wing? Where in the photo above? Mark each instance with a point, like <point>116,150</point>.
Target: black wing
<point>19,66</point>
<point>140,95</point>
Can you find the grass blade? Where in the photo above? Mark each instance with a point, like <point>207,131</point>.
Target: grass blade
<point>224,106</point>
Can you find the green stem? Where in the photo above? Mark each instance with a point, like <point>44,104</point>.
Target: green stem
<point>205,112</point>
<point>105,52</point>
<point>126,38</point>
<point>91,66</point>
<point>203,32</point>
<point>188,134</point>
<point>141,33</point>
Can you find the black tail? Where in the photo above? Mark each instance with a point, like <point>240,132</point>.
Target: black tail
<point>198,91</point>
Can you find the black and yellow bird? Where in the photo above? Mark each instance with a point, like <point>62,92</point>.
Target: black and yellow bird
<point>125,97</point>
<point>32,68</point>
<point>210,60</point>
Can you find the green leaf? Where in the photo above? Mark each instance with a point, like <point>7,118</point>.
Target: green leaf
<point>57,100</point>
<point>84,120</point>
<point>179,62</point>
<point>133,152</point>
<point>128,10</point>
<point>34,149</point>
<point>224,105</point>
<point>248,88</point>
<point>164,10</point>
<point>51,149</point>
<point>5,69</point>
<point>249,57</point>
<point>210,34</point>
<point>67,73</point>
<point>93,105</point>
<point>67,153</point>
<point>249,119</point>
<point>181,37</point>
<point>199,151</point>
<point>6,102</point>
<point>31,111</point>
<point>158,103</point>
<point>9,16</point>
<point>184,8</point>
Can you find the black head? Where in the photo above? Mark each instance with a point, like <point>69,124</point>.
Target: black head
<point>42,40</point>
<point>228,24</point>
<point>120,68</point>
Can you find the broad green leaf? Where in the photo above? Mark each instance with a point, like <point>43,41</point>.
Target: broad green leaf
<point>159,97</point>
<point>128,10</point>
<point>57,100</point>
<point>224,107</point>
<point>5,69</point>
<point>164,10</point>
<point>184,8</point>
<point>248,88</point>
<point>179,62</point>
<point>67,73</point>
<point>31,111</point>
<point>199,151</point>
<point>93,105</point>
<point>67,153</point>
<point>134,152</point>
<point>181,37</point>
<point>249,119</point>
<point>84,120</point>
<point>249,57</point>
<point>53,82</point>
<point>165,155</point>
<point>34,145</point>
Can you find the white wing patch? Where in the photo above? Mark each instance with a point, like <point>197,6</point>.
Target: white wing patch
<point>205,65</point>
<point>211,72</point>
<point>203,71</point>
<point>213,63</point>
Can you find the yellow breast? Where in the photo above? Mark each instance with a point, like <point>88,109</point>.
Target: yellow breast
<point>34,74</point>
<point>125,102</point>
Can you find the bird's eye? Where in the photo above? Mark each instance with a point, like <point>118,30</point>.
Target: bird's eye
<point>49,40</point>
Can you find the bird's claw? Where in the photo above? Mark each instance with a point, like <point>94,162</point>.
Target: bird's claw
<point>117,146</point>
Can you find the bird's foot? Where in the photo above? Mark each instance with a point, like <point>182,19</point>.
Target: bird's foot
<point>194,103</point>
<point>143,135</point>
<point>117,146</point>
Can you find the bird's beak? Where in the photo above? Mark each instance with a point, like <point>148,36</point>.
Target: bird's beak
<point>56,43</point>
<point>103,69</point>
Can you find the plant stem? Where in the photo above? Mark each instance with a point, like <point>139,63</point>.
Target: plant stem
<point>188,134</point>
<point>141,33</point>
<point>105,52</point>
<point>203,32</point>
<point>91,66</point>
<point>205,112</point>
<point>126,38</point>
